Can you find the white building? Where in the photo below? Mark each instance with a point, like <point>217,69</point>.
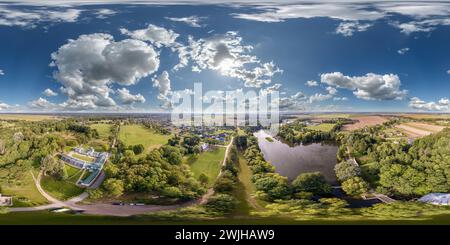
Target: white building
<point>5,201</point>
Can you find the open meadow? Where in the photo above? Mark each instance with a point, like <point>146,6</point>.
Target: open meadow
<point>138,134</point>
<point>208,163</point>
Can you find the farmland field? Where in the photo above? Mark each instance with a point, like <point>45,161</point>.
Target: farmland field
<point>364,121</point>
<point>415,129</point>
<point>138,134</point>
<point>26,117</point>
<point>208,163</point>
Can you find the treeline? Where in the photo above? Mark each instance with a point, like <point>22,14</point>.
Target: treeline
<point>298,132</point>
<point>398,168</point>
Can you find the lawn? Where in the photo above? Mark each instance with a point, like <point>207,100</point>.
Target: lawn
<point>83,157</point>
<point>138,134</point>
<point>325,127</point>
<point>103,129</point>
<point>73,173</point>
<point>208,162</point>
<point>25,194</point>
<point>246,188</point>
<point>60,189</point>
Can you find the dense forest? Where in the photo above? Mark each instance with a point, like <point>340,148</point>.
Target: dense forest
<point>397,167</point>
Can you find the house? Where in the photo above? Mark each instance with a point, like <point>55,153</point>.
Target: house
<point>204,146</point>
<point>6,201</point>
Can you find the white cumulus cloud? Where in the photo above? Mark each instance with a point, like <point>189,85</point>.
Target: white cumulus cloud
<point>127,98</point>
<point>193,20</point>
<point>442,105</point>
<point>348,28</point>
<point>369,87</point>
<point>158,36</point>
<point>402,50</point>
<point>227,55</point>
<point>49,93</point>
<point>90,64</point>
<point>312,83</point>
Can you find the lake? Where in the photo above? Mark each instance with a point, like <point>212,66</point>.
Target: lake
<point>290,161</point>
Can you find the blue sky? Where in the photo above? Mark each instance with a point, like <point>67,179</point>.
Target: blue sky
<point>383,56</point>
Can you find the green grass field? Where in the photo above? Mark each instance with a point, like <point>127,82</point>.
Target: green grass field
<point>61,190</point>
<point>103,129</point>
<point>25,194</point>
<point>83,157</point>
<point>138,134</point>
<point>325,127</point>
<point>208,163</point>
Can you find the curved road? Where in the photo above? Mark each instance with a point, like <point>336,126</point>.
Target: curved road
<point>109,209</point>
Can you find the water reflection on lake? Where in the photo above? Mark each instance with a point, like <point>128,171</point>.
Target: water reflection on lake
<point>291,161</point>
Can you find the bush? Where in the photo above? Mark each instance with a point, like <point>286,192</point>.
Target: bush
<point>221,203</point>
<point>114,187</point>
<point>172,192</point>
<point>346,170</point>
<point>95,193</point>
<point>311,182</point>
<point>138,149</point>
<point>203,179</point>
<point>224,184</point>
<point>355,186</point>
<point>273,184</point>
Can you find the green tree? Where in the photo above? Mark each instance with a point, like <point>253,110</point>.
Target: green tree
<point>114,187</point>
<point>355,186</point>
<point>311,182</point>
<point>224,184</point>
<point>346,170</point>
<point>221,203</point>
<point>203,179</point>
<point>138,149</point>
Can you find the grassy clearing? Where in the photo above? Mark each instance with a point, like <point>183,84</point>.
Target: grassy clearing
<point>208,163</point>
<point>26,117</point>
<point>103,129</point>
<point>246,188</point>
<point>25,194</point>
<point>60,189</point>
<point>324,127</point>
<point>83,157</point>
<point>138,134</point>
